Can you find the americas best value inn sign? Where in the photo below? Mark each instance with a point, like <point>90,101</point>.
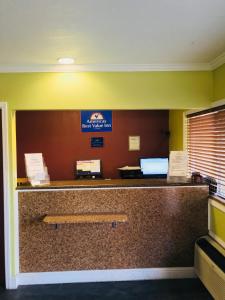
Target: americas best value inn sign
<point>96,121</point>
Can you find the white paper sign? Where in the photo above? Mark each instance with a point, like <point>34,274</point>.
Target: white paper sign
<point>178,164</point>
<point>34,164</point>
<point>36,170</point>
<point>134,143</point>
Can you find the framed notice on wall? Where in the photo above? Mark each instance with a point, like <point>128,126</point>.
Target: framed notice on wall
<point>134,143</point>
<point>96,121</point>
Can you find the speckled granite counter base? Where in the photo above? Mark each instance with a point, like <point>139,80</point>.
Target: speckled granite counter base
<point>163,224</point>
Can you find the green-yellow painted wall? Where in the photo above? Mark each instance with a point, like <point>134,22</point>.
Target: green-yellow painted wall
<point>218,222</point>
<point>219,83</point>
<point>142,90</point>
<point>134,90</point>
<point>218,218</point>
<point>176,124</point>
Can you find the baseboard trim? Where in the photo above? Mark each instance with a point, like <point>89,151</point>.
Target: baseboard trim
<point>104,275</point>
<point>11,283</point>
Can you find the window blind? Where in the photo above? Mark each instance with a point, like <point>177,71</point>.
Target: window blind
<point>206,146</point>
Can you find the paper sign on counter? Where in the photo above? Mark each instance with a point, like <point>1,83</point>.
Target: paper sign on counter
<point>36,170</point>
<point>178,164</point>
<point>34,164</point>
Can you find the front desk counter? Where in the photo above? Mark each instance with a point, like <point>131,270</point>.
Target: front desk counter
<point>109,224</point>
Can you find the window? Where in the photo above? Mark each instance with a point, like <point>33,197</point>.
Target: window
<point>206,146</point>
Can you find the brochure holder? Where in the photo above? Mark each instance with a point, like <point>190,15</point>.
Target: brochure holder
<point>178,167</point>
<point>36,170</point>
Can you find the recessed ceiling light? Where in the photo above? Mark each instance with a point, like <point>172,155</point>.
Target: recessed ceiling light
<point>66,61</point>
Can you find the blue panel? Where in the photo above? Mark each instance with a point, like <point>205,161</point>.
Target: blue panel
<point>96,121</point>
<point>97,142</point>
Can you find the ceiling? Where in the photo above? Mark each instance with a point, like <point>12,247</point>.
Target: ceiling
<point>112,34</point>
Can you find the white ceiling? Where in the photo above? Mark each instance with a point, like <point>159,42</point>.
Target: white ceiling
<point>111,32</point>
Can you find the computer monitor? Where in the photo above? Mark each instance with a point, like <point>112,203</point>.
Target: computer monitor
<point>154,167</point>
<point>88,168</point>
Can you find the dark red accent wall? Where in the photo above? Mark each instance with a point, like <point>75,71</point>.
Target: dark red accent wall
<point>57,134</point>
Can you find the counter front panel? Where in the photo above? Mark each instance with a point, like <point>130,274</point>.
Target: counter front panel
<point>161,228</point>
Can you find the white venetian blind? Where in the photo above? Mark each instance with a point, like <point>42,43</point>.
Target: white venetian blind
<point>206,145</point>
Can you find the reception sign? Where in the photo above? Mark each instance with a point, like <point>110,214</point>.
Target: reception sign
<point>96,121</point>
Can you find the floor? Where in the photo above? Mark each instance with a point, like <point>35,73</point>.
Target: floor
<point>185,289</point>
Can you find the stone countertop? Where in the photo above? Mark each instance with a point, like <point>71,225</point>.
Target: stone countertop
<point>103,183</point>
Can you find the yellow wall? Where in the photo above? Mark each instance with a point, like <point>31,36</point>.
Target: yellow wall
<point>176,119</point>
<point>218,218</point>
<point>218,223</point>
<point>137,90</point>
<point>219,83</point>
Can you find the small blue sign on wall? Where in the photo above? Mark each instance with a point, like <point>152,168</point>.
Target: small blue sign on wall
<point>96,121</point>
<point>97,142</point>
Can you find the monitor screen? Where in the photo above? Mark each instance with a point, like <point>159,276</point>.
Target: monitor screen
<point>88,167</point>
<point>154,167</point>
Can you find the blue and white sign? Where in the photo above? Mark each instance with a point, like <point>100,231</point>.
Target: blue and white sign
<point>96,121</point>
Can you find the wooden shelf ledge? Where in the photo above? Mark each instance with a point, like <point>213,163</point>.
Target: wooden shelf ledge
<point>86,218</point>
